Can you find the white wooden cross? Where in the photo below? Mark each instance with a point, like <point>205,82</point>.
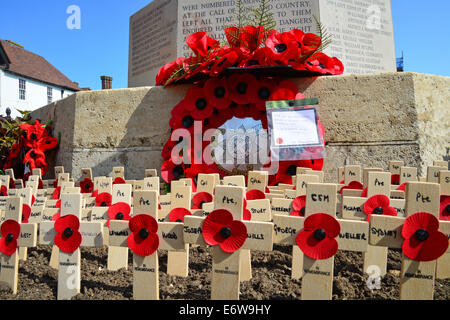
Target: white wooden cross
<point>146,268</point>
<point>70,262</point>
<point>27,237</point>
<point>226,266</point>
<point>417,278</point>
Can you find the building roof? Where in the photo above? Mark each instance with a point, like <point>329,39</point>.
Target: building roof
<point>27,64</point>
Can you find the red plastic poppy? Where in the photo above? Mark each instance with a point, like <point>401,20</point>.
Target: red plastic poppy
<point>119,180</point>
<point>10,231</point>
<point>3,191</point>
<point>247,215</point>
<point>378,204</point>
<point>33,133</point>
<point>67,238</point>
<point>219,228</point>
<point>56,216</point>
<point>307,42</point>
<point>298,204</point>
<point>47,143</point>
<point>353,185</point>
<point>177,214</point>
<point>143,240</point>
<point>86,185</point>
<point>56,193</point>
<point>395,179</point>
<point>324,64</point>
<point>287,170</point>
<point>257,58</point>
<point>423,241</point>
<point>12,185</point>
<point>444,208</point>
<point>103,199</point>
<point>252,37</point>
<point>26,212</point>
<point>228,58</point>
<point>402,187</point>
<point>15,151</point>
<point>94,194</point>
<point>200,198</point>
<point>170,171</point>
<point>262,92</point>
<point>255,194</point>
<point>196,101</point>
<point>286,90</point>
<point>201,43</point>
<point>167,71</point>
<point>119,211</point>
<point>239,86</point>
<point>364,193</point>
<point>216,92</point>
<point>317,239</point>
<point>283,47</point>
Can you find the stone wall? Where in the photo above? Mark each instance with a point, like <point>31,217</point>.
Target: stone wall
<point>369,120</point>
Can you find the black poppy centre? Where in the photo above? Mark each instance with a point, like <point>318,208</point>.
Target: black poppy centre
<point>219,92</point>
<point>320,234</point>
<point>177,172</point>
<point>264,93</point>
<point>9,237</point>
<point>292,170</point>
<point>119,216</point>
<point>225,232</point>
<point>378,210</point>
<point>201,104</point>
<point>188,121</point>
<point>280,48</point>
<point>143,233</point>
<point>241,88</point>
<point>68,232</point>
<point>421,235</point>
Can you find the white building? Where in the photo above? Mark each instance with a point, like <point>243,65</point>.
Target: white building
<point>28,81</point>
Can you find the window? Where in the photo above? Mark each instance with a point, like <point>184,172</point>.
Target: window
<point>49,95</point>
<point>22,88</point>
<point>62,94</point>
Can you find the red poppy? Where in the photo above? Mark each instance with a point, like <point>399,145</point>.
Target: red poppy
<point>262,92</point>
<point>317,239</point>
<point>119,211</point>
<point>444,208</point>
<point>170,171</point>
<point>33,133</point>
<point>252,37</point>
<point>285,90</point>
<point>353,185</point>
<point>233,36</point>
<point>324,64</point>
<point>56,216</point>
<point>143,240</point>
<point>395,179</point>
<point>378,204</point>
<point>55,183</point>
<point>177,214</point>
<point>239,86</point>
<point>228,58</point>
<point>35,158</point>
<point>257,58</point>
<point>216,92</point>
<point>103,199</point>
<point>197,102</point>
<point>216,120</point>
<point>15,151</point>
<point>200,198</point>
<point>3,191</point>
<point>423,241</point>
<point>201,43</point>
<point>67,238</point>
<point>247,215</point>
<point>56,193</point>
<point>119,180</point>
<point>26,212</point>
<point>255,195</point>
<point>402,187</point>
<point>10,231</point>
<point>287,170</point>
<point>299,205</point>
<point>40,184</point>
<point>12,185</point>
<point>283,47</point>
<point>47,143</point>
<point>307,42</point>
<point>94,194</point>
<point>219,228</point>
<point>58,204</point>
<point>168,70</point>
<point>86,186</point>
<point>364,193</point>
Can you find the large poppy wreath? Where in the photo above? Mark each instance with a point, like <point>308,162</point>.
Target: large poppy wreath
<point>217,100</point>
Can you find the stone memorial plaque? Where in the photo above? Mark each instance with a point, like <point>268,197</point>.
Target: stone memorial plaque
<point>362,31</point>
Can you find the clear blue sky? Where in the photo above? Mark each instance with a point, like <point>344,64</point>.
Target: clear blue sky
<point>100,47</point>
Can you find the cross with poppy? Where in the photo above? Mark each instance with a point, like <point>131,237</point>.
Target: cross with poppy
<point>257,180</point>
<point>433,172</point>
<point>206,182</point>
<point>148,173</point>
<point>14,235</point>
<point>120,209</point>
<point>144,236</point>
<point>352,180</point>
<point>442,269</point>
<point>377,202</point>
<point>180,206</point>
<point>421,236</point>
<point>394,167</point>
<point>224,229</point>
<point>27,195</point>
<point>68,234</point>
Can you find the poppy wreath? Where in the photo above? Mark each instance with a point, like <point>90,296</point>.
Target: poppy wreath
<point>215,101</point>
<point>29,150</point>
<point>317,240</point>
<point>423,241</point>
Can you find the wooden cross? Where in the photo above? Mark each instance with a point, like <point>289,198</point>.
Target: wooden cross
<point>146,268</point>
<point>118,256</point>
<point>70,262</point>
<point>150,173</point>
<point>27,237</point>
<point>226,267</point>
<point>442,269</point>
<point>178,261</point>
<point>26,194</point>
<point>416,277</point>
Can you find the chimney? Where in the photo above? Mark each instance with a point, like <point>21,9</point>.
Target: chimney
<point>106,82</point>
